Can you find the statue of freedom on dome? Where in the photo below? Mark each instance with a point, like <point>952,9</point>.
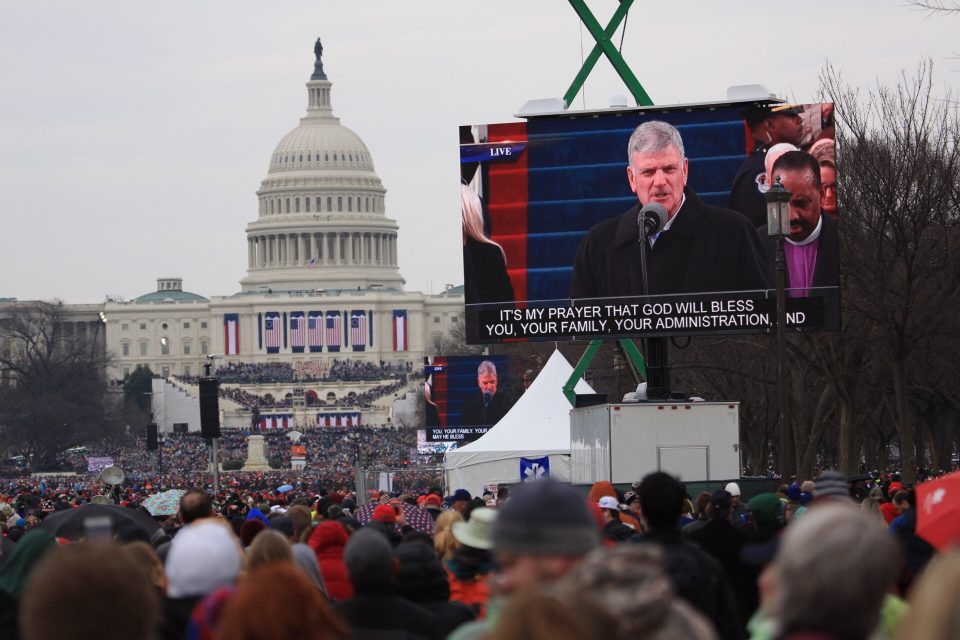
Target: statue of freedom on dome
<point>318,73</point>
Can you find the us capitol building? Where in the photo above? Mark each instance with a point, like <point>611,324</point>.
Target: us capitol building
<point>322,283</point>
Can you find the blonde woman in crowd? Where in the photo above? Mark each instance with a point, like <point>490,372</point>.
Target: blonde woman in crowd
<point>443,541</point>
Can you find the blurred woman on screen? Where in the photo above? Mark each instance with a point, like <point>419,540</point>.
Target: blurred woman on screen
<point>484,261</point>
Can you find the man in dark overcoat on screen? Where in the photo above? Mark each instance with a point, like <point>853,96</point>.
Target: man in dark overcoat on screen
<point>700,249</point>
<point>488,406</point>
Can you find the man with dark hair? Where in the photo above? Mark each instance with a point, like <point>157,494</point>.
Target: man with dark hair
<point>812,248</point>
<point>700,248</point>
<point>696,576</point>
<point>195,504</point>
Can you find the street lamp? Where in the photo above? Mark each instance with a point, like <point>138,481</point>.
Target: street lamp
<point>778,228</point>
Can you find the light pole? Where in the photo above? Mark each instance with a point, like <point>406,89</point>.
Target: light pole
<point>155,427</point>
<point>209,375</point>
<point>358,482</point>
<point>778,228</point>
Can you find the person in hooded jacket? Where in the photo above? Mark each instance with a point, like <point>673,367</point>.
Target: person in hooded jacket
<point>421,579</point>
<point>328,541</point>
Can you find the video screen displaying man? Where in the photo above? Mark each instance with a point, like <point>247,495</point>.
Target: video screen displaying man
<point>485,407</point>
<point>701,248</point>
<point>812,248</point>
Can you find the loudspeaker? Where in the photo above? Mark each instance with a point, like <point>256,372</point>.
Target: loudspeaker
<point>152,444</point>
<point>209,408</point>
<point>589,399</point>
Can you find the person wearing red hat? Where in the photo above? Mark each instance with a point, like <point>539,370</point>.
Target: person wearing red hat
<point>384,520</point>
<point>432,505</point>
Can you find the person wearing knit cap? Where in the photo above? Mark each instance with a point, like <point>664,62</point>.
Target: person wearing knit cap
<point>203,556</point>
<point>543,531</point>
<point>738,510</point>
<point>832,485</point>
<point>376,610</point>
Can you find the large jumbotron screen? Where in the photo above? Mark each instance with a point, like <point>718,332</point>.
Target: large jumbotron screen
<point>552,220</point>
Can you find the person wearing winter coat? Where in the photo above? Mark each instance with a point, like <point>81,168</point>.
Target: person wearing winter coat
<point>328,541</point>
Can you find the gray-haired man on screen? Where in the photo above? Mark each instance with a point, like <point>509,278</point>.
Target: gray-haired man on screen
<point>700,249</point>
<point>487,407</point>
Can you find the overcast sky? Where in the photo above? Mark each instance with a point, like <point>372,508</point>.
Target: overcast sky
<point>133,136</point>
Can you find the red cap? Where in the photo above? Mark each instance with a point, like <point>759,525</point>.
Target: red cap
<point>384,513</point>
<point>433,499</point>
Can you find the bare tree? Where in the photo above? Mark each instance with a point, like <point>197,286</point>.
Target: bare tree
<point>936,6</point>
<point>57,396</point>
<point>899,174</point>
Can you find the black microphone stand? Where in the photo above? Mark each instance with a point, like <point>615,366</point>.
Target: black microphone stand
<point>658,371</point>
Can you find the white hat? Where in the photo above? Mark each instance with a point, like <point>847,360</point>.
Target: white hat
<point>608,502</point>
<point>477,532</point>
<point>203,556</point>
<point>732,488</point>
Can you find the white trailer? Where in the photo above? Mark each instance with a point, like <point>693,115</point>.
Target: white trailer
<point>697,441</point>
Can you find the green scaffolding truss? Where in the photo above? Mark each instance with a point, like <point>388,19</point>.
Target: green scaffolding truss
<point>604,46</point>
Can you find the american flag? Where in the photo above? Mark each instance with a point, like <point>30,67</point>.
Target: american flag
<point>298,331</point>
<point>334,325</point>
<point>271,332</point>
<point>399,330</point>
<point>231,333</point>
<point>358,330</point>
<point>315,330</point>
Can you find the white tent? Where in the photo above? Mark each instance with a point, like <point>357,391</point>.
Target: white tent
<point>538,425</point>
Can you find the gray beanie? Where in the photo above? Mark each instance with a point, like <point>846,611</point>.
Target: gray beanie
<point>545,518</point>
<point>831,484</point>
<point>369,558</point>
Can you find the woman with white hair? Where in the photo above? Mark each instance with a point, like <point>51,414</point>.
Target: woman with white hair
<point>484,261</point>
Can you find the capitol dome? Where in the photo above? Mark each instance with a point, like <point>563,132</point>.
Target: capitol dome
<point>321,221</point>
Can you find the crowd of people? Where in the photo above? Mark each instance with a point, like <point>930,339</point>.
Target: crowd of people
<point>337,370</point>
<point>364,399</point>
<point>328,450</point>
<point>832,558</point>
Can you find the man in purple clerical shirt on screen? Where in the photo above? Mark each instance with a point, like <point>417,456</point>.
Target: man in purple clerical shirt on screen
<point>812,248</point>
